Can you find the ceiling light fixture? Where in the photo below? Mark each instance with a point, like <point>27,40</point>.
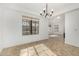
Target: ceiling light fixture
<point>45,12</point>
<point>58,17</point>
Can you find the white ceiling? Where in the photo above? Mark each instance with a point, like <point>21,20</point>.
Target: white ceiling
<point>37,7</point>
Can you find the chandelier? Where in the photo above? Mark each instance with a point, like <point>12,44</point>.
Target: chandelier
<point>45,12</point>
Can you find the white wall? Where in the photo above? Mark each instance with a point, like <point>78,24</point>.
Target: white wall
<point>1,30</point>
<point>12,28</point>
<point>72,27</point>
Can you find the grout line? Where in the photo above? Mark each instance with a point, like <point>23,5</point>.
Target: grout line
<point>35,50</point>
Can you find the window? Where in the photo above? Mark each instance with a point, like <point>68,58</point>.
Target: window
<point>30,26</point>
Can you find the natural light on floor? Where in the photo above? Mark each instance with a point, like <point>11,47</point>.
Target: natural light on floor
<point>37,50</point>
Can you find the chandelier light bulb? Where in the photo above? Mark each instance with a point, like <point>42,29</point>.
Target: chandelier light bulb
<point>40,13</point>
<point>50,14</point>
<point>44,9</point>
<point>52,11</point>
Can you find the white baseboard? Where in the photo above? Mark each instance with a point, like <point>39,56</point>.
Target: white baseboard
<point>72,44</point>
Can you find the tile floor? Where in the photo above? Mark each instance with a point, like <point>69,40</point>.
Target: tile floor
<point>37,50</point>
<point>55,44</point>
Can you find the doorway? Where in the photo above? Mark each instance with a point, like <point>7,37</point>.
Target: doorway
<point>57,26</point>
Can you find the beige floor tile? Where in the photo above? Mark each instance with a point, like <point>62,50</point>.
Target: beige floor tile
<point>24,52</point>
<point>31,51</point>
<point>50,53</point>
<point>44,50</point>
